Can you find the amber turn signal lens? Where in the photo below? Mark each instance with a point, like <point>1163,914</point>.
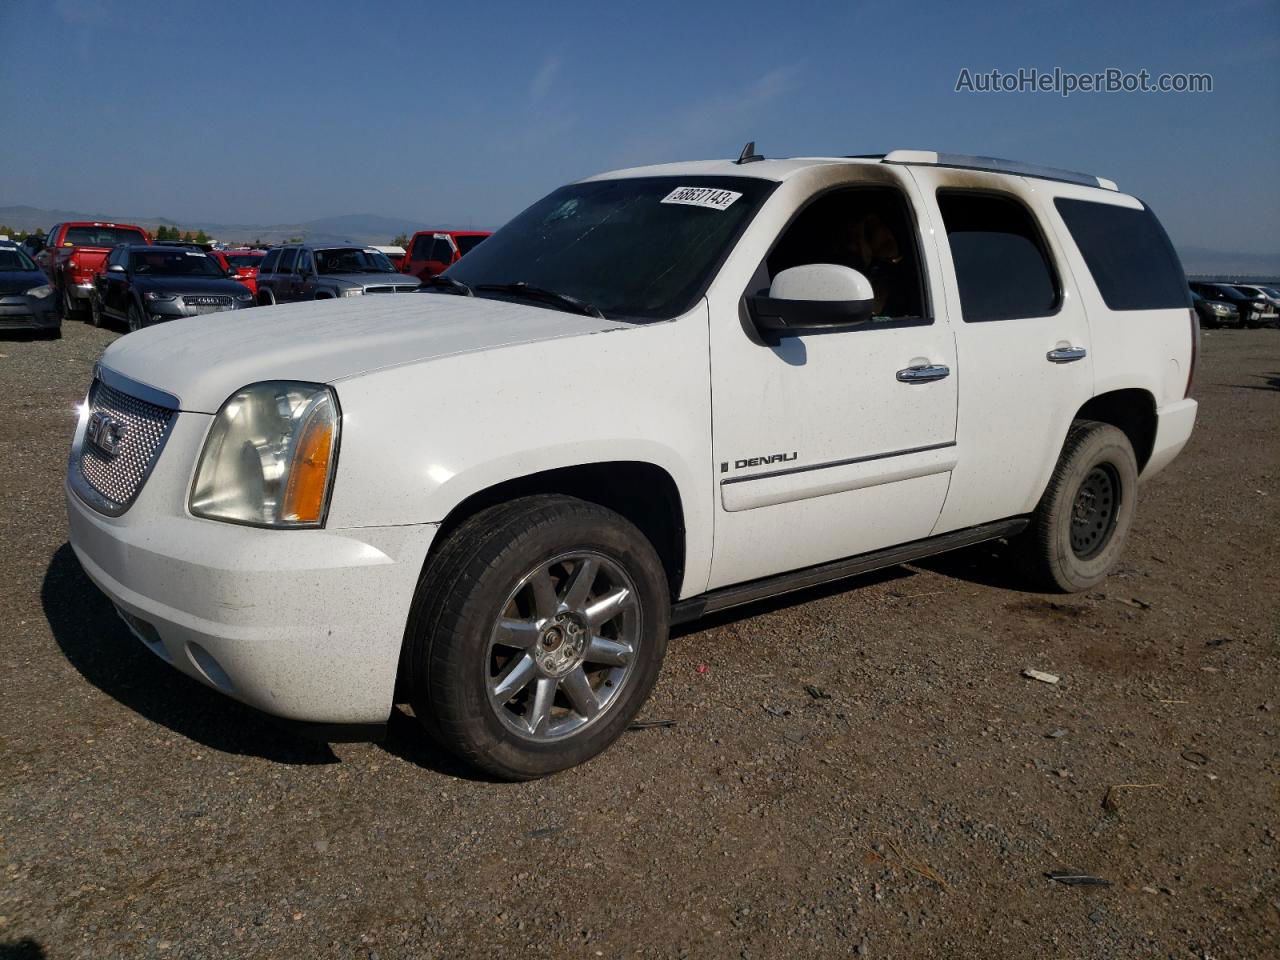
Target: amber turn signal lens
<point>309,473</point>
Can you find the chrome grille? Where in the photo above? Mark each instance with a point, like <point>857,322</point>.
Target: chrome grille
<point>113,482</point>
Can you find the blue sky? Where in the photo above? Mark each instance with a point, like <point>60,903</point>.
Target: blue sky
<point>464,113</point>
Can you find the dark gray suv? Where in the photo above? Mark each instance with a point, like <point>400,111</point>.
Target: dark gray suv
<point>325,271</point>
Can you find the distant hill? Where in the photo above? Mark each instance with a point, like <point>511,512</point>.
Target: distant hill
<point>354,227</point>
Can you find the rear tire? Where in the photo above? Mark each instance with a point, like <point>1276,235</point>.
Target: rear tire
<point>1079,528</point>
<point>541,587</point>
<point>266,299</point>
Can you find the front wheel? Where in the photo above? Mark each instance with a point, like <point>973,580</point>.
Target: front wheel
<point>1079,528</point>
<point>136,321</point>
<point>95,311</point>
<point>536,635</point>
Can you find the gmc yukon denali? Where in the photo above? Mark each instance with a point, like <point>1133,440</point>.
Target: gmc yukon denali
<point>655,393</point>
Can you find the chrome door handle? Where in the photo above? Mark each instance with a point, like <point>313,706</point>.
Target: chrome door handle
<point>924,374</point>
<point>1066,354</point>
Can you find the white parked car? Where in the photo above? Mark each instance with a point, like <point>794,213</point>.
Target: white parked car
<point>655,393</point>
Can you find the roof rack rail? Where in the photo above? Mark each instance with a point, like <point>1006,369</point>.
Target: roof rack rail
<point>963,161</point>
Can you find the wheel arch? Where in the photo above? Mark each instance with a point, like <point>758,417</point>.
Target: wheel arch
<point>644,493</point>
<point>1133,412</point>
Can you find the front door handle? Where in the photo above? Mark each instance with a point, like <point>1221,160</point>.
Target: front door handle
<point>1066,354</point>
<point>924,373</point>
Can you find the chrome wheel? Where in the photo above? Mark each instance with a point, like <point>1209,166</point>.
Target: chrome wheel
<point>563,647</point>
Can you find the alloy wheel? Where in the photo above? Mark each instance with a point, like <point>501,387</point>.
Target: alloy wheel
<point>563,647</point>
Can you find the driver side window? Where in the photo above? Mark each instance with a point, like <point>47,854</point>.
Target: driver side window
<point>868,228</point>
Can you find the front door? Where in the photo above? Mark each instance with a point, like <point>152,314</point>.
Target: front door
<point>1022,338</point>
<point>831,444</point>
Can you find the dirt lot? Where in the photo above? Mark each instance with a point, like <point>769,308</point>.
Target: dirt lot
<point>857,771</point>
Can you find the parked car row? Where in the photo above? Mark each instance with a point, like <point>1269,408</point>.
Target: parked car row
<point>1234,304</point>
<point>113,272</point>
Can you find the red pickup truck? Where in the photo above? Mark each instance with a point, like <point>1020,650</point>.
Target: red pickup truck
<point>434,251</point>
<point>76,252</point>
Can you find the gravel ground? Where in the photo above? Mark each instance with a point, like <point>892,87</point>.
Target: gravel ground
<point>856,771</point>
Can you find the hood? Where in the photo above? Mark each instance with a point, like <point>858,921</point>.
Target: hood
<point>20,281</point>
<point>370,279</point>
<point>215,285</point>
<point>324,341</point>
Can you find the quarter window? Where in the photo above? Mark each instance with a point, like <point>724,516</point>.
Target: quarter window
<point>1003,270</point>
<point>1127,252</point>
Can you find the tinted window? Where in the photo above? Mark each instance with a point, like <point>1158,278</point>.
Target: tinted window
<point>465,244</point>
<point>1127,251</point>
<point>867,228</point>
<point>635,247</point>
<point>287,259</point>
<point>243,259</point>
<point>173,263</point>
<point>441,250</point>
<point>269,262</point>
<point>352,260</point>
<point>304,262</point>
<point>102,236</point>
<point>1002,268</point>
<point>13,260</point>
<point>421,247</point>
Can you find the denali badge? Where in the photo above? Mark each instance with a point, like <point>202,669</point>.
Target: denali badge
<point>759,461</point>
<point>104,433</point>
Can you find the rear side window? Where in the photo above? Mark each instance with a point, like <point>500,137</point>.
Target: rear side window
<point>287,260</point>
<point>269,262</point>
<point>1127,251</point>
<point>1003,270</point>
<point>466,243</point>
<point>441,250</point>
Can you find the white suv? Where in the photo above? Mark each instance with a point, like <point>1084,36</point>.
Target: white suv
<point>653,394</point>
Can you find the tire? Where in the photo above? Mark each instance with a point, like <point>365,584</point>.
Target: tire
<point>70,311</point>
<point>136,320</point>
<point>96,318</point>
<point>465,683</point>
<point>266,298</point>
<point>1079,528</point>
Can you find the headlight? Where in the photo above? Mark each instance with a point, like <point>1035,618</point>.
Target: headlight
<point>353,292</point>
<point>244,297</point>
<point>40,292</point>
<point>1219,308</point>
<point>152,295</point>
<point>268,460</point>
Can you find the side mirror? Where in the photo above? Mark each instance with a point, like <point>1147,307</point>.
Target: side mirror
<point>812,298</point>
<point>116,268</point>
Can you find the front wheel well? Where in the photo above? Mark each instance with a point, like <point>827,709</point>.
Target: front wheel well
<point>641,492</point>
<point>1133,412</point>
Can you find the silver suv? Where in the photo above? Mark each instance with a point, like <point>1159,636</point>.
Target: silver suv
<point>323,272</point>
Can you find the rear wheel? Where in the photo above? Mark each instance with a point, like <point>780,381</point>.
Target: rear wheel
<point>537,634</point>
<point>1079,528</point>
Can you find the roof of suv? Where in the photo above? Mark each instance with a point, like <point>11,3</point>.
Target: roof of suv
<point>781,169</point>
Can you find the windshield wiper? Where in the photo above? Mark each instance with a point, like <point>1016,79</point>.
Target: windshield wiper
<point>566,302</point>
<point>448,283</point>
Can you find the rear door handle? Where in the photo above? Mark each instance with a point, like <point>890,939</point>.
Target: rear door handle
<point>924,373</point>
<point>1066,354</point>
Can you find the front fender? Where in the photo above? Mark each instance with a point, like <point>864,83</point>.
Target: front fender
<point>419,439</point>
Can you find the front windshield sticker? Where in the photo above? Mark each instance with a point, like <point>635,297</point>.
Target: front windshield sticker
<point>708,197</point>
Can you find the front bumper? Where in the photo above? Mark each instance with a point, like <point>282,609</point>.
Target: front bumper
<point>21,312</point>
<point>161,311</point>
<point>302,624</point>
<point>1174,424</point>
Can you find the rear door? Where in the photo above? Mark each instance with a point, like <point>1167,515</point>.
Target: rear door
<point>287,281</point>
<point>1022,339</point>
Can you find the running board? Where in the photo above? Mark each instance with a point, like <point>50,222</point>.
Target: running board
<point>739,594</point>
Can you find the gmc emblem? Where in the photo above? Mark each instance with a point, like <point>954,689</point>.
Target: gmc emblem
<point>104,433</point>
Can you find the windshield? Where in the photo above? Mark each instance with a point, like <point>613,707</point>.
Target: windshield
<point>13,260</point>
<point>102,236</point>
<point>352,260</point>
<point>243,259</point>
<point>466,244</point>
<point>173,263</point>
<point>633,248</point>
